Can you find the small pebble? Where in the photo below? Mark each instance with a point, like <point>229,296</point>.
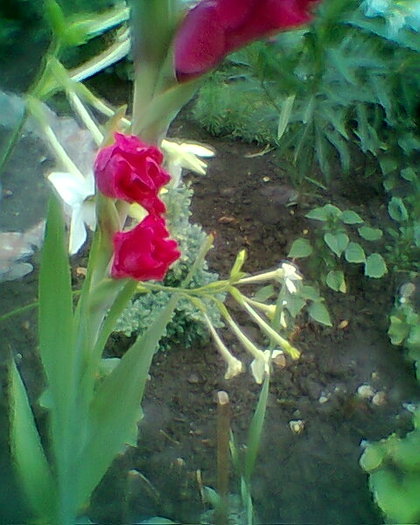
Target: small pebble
<point>365,392</point>
<point>323,399</point>
<point>193,379</point>
<point>179,462</point>
<point>297,426</point>
<point>280,360</point>
<point>343,324</point>
<point>379,399</point>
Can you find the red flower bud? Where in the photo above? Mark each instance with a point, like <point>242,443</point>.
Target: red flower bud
<point>131,170</point>
<point>145,252</point>
<point>214,28</point>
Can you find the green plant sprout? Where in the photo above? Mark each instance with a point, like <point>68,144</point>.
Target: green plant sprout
<point>404,248</point>
<point>334,245</point>
<point>404,324</point>
<point>394,474</point>
<point>393,463</point>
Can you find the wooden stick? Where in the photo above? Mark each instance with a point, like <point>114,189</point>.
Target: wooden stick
<point>223,431</point>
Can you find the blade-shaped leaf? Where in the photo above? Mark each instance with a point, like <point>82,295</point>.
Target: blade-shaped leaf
<point>29,457</point>
<point>56,309</point>
<point>286,110</point>
<point>255,431</point>
<point>115,408</point>
<point>341,145</point>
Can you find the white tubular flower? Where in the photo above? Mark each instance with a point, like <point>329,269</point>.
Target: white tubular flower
<point>76,193</point>
<point>268,309</point>
<point>185,155</point>
<point>290,275</point>
<point>264,326</point>
<point>235,367</point>
<point>287,273</point>
<point>261,366</point>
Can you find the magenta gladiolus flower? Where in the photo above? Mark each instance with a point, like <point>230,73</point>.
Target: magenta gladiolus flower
<point>132,171</point>
<point>145,252</point>
<point>214,28</point>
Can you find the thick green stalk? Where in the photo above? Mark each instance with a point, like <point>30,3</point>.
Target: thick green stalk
<point>152,24</point>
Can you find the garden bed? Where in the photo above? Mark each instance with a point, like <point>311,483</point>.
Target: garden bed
<point>307,477</point>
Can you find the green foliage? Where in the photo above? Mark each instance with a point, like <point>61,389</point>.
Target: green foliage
<point>17,17</point>
<point>187,326</point>
<point>290,305</point>
<point>393,463</point>
<point>230,106</point>
<point>394,474</point>
<point>404,209</point>
<point>339,240</point>
<point>317,90</point>
<point>93,408</point>
<point>404,329</point>
<point>30,459</point>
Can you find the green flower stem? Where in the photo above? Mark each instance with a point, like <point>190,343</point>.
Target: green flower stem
<point>235,366</point>
<point>86,118</point>
<point>268,309</point>
<point>37,111</point>
<point>10,145</point>
<point>205,247</point>
<point>245,341</point>
<point>152,26</point>
<point>100,105</point>
<point>261,277</point>
<point>202,291</point>
<point>265,327</point>
<point>27,308</point>
<point>117,51</point>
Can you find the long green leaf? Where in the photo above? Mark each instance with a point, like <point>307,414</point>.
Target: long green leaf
<point>29,458</point>
<point>286,110</point>
<point>55,309</point>
<point>115,409</point>
<point>255,431</point>
<point>60,357</point>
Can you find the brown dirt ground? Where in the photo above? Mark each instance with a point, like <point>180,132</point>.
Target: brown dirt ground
<point>313,477</point>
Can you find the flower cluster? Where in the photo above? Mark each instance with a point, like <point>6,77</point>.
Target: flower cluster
<point>132,171</point>
<point>214,28</point>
